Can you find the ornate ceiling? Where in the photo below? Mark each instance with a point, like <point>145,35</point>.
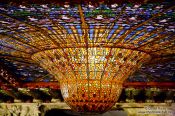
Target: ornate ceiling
<point>26,29</point>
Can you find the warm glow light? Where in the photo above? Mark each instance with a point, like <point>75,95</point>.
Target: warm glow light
<point>91,79</point>
<point>91,49</point>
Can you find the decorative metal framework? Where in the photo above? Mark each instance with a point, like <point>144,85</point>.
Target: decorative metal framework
<point>90,50</point>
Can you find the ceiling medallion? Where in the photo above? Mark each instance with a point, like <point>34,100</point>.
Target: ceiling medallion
<point>91,78</point>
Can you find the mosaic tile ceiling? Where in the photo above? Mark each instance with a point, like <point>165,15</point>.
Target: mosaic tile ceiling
<point>28,29</point>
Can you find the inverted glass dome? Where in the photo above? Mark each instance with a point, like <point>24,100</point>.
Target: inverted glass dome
<point>90,49</point>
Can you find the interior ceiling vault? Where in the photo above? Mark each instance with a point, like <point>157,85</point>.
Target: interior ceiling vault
<point>30,28</point>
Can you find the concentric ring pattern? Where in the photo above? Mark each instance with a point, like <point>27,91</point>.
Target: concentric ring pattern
<point>90,49</point>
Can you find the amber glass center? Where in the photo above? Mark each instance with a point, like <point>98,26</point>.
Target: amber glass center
<point>90,78</point>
